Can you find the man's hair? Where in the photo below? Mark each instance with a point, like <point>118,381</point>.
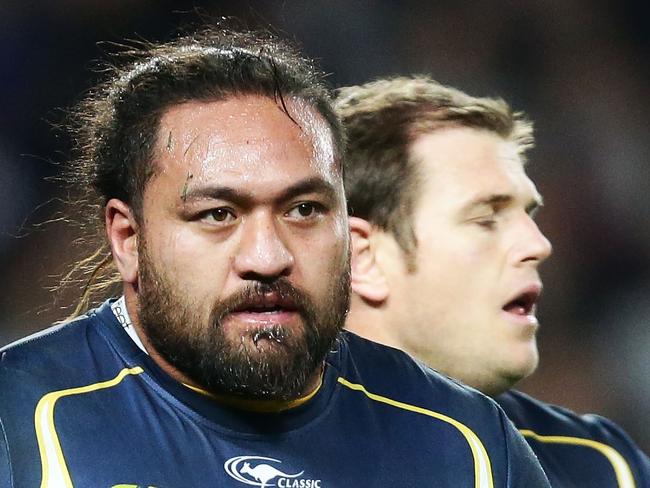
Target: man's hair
<point>115,129</point>
<point>382,120</point>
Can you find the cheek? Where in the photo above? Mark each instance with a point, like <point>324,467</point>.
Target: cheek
<point>323,255</point>
<point>341,240</point>
<point>450,268</point>
<point>471,250</point>
<point>334,234</point>
<point>187,259</point>
<point>471,257</point>
<point>464,279</point>
<point>443,279</point>
<point>324,252</point>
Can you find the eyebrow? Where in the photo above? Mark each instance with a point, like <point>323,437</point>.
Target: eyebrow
<point>246,198</point>
<point>502,199</point>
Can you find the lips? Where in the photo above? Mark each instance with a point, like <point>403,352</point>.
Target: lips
<point>524,302</point>
<point>266,303</point>
<point>264,310</point>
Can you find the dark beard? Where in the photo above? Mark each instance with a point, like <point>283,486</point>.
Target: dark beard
<point>280,369</point>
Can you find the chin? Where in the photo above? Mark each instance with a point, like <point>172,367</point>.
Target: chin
<point>522,366</point>
<point>503,381</point>
<point>516,363</point>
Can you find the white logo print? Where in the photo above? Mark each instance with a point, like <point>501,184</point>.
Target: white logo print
<point>256,471</point>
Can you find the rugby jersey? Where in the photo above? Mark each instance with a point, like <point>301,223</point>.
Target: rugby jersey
<point>82,405</point>
<point>577,450</point>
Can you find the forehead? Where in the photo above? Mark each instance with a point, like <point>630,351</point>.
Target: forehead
<point>244,137</point>
<point>460,164</point>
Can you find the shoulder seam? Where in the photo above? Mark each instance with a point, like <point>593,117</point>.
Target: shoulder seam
<point>482,464</point>
<point>6,444</point>
<point>53,464</point>
<point>503,419</point>
<point>618,462</point>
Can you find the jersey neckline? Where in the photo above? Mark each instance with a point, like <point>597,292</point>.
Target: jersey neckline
<point>216,415</point>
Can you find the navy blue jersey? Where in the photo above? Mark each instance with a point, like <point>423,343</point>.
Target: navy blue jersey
<point>577,450</point>
<point>81,405</point>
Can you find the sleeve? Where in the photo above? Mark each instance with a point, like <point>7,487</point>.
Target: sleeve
<point>5,463</point>
<point>523,468</point>
<point>607,432</point>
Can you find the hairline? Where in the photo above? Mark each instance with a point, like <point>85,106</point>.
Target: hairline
<point>152,162</point>
<point>436,108</point>
<point>414,164</point>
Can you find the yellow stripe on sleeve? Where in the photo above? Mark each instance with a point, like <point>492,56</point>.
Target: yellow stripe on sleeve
<point>54,469</point>
<point>619,464</point>
<point>482,465</point>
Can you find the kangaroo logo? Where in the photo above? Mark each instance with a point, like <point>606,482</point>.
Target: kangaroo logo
<point>261,474</point>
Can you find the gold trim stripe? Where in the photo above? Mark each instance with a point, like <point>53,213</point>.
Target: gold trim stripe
<point>54,469</point>
<point>619,464</point>
<point>482,464</point>
<point>260,406</point>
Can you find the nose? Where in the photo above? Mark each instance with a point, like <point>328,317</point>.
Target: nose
<point>534,246</point>
<point>262,254</point>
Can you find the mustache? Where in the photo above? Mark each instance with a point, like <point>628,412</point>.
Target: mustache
<point>255,292</point>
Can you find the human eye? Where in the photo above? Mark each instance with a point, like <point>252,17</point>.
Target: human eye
<point>487,221</point>
<point>306,211</point>
<point>217,216</point>
<point>533,212</point>
<point>489,224</point>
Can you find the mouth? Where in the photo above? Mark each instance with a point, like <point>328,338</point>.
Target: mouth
<point>266,309</point>
<point>524,304</point>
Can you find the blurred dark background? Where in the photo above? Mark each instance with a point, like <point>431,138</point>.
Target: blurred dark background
<point>579,68</point>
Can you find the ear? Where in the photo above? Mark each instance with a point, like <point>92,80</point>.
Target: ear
<point>368,280</point>
<point>122,232</point>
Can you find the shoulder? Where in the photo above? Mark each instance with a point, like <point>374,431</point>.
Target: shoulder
<point>56,355</point>
<point>391,371</point>
<point>442,407</point>
<point>53,343</point>
<point>545,418</point>
<point>556,431</point>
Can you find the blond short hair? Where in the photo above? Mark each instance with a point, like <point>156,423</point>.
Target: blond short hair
<point>382,120</point>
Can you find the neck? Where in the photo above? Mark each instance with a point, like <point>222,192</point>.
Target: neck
<point>368,321</point>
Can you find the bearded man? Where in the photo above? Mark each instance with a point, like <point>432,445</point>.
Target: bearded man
<point>216,165</point>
